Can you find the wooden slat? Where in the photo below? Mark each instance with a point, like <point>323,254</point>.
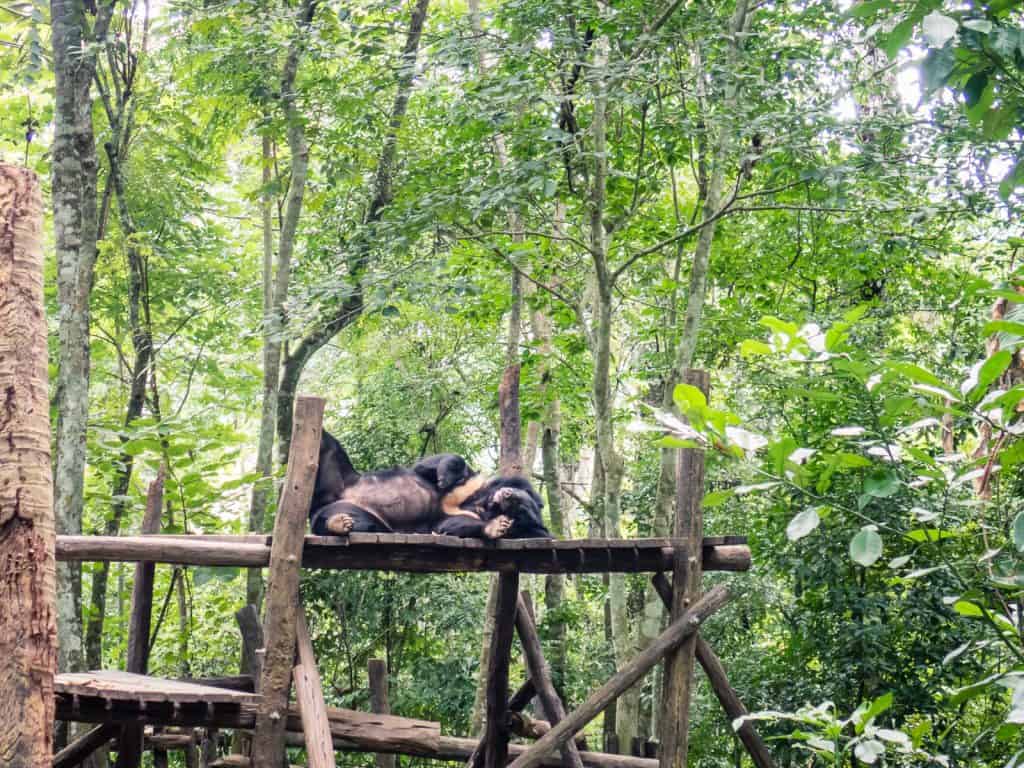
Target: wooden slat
<point>279,626</point>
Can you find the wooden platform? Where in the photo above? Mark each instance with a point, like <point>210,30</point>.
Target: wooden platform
<point>422,553</point>
<point>141,689</point>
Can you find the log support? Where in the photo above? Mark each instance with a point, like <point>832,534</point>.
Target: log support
<point>309,692</point>
<point>279,626</point>
<point>678,631</point>
<point>727,696</point>
<point>377,671</point>
<point>495,746</point>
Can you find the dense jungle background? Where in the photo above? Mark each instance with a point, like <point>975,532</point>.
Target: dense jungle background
<point>394,205</point>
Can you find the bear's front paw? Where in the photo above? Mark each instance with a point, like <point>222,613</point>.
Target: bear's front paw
<point>340,524</point>
<point>497,527</point>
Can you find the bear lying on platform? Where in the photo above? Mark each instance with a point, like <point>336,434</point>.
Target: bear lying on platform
<point>440,494</point>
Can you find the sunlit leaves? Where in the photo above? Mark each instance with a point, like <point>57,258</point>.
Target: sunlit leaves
<point>866,547</point>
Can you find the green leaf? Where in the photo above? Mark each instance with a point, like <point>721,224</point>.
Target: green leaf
<point>916,373</point>
<point>868,8</point>
<point>881,484</point>
<point>921,535</point>
<point>866,547</point>
<point>894,42</point>
<point>751,348</point>
<point>688,397</point>
<point>967,608</point>
<point>938,29</point>
<point>802,524</point>
<point>1018,532</point>
<point>937,67</point>
<point>992,369</point>
<point>716,498</point>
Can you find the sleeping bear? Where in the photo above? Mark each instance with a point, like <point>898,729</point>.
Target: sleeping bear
<point>440,494</point>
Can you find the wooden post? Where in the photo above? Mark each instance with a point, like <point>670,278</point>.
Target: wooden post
<point>129,752</point>
<point>496,728</point>
<point>251,630</point>
<point>310,694</point>
<point>28,621</point>
<point>540,674</point>
<point>279,626</point>
<point>727,697</point>
<point>686,589</point>
<point>683,627</point>
<point>377,671</point>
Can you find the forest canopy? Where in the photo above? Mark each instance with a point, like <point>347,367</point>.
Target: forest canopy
<point>398,206</point>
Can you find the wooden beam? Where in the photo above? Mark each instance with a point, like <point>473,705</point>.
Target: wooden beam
<point>719,680</point>
<point>28,608</point>
<point>129,753</point>
<point>495,747</point>
<point>414,553</point>
<point>251,630</point>
<point>521,699</point>
<point>377,673</point>
<point>78,750</point>
<point>279,627</point>
<point>682,628</point>
<point>310,696</point>
<point>540,674</point>
<point>686,589</point>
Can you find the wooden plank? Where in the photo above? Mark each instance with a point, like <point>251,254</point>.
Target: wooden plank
<point>310,695</point>
<point>540,674</point>
<point>686,589</point>
<point>129,753</point>
<point>683,627</point>
<point>279,626</point>
<point>495,748</point>
<point>127,686</point>
<point>521,699</point>
<point>377,673</point>
<point>719,680</point>
<point>451,556</point>
<point>78,750</point>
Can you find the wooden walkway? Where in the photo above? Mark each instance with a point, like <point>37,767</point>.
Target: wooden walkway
<point>420,553</point>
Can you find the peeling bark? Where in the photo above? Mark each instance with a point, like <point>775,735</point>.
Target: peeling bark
<point>28,622</point>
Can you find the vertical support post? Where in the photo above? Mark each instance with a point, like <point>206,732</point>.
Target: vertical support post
<point>686,589</point>
<point>28,616</point>
<point>496,729</point>
<point>130,746</point>
<point>251,630</point>
<point>279,625</point>
<point>727,697</point>
<point>379,704</point>
<point>540,674</point>
<point>309,692</point>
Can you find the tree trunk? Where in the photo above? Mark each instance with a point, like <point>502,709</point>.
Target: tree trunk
<point>348,309</point>
<point>28,628</point>
<point>73,157</point>
<point>264,487</point>
<point>142,343</point>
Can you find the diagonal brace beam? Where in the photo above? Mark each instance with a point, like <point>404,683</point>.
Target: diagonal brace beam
<point>685,626</point>
<point>727,696</point>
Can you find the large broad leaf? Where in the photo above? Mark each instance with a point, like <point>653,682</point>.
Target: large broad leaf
<point>803,524</point>
<point>1018,532</point>
<point>866,547</point>
<point>938,29</point>
<point>869,751</point>
<point>688,397</point>
<point>881,485</point>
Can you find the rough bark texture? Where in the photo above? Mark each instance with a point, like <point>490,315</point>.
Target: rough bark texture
<point>495,747</point>
<point>350,307</point>
<point>309,694</point>
<point>279,624</point>
<point>28,627</point>
<point>75,225</point>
